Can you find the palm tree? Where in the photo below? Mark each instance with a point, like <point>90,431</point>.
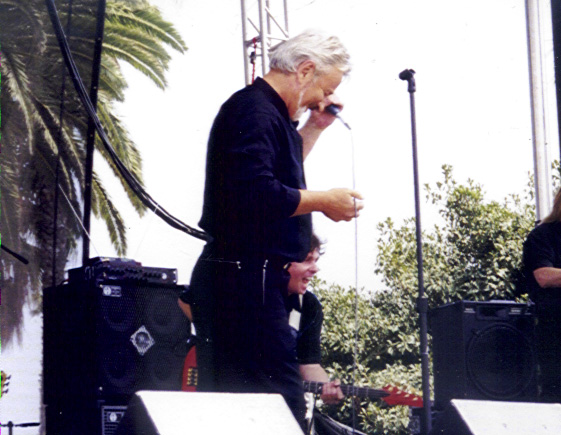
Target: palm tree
<point>44,132</point>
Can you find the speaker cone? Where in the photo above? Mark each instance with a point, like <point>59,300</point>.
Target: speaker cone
<point>500,374</point>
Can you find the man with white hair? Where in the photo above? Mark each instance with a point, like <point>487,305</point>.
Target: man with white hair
<point>258,212</point>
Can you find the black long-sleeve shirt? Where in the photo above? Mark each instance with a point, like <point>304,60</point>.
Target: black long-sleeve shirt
<point>254,171</point>
<point>542,248</point>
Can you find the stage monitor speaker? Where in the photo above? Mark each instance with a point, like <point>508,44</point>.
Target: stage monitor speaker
<point>106,336</point>
<point>483,350</point>
<point>180,413</point>
<point>481,417</point>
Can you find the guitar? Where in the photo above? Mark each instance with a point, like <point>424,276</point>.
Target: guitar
<point>391,395</point>
<point>348,390</point>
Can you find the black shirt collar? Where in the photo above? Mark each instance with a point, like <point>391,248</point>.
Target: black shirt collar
<point>275,99</point>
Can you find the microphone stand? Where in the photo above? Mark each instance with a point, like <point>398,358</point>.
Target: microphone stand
<point>422,301</point>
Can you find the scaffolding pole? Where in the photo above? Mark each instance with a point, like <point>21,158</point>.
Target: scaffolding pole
<point>264,24</point>
<point>538,36</point>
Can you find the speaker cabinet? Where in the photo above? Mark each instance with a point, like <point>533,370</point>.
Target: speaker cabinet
<point>483,350</point>
<point>179,413</point>
<point>105,339</point>
<point>480,417</point>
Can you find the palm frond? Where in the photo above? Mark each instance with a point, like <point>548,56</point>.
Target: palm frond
<point>149,19</point>
<point>111,81</point>
<point>143,64</point>
<point>16,83</point>
<point>106,210</point>
<point>127,148</point>
<point>59,139</point>
<point>137,40</point>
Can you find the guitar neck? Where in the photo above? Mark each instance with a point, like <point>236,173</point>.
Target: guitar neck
<point>348,390</point>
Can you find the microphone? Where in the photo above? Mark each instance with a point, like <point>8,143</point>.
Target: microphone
<point>335,110</point>
<point>408,74</point>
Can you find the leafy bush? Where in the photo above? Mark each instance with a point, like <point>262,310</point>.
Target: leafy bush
<point>473,253</point>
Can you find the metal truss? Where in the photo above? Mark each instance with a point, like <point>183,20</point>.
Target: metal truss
<point>264,24</point>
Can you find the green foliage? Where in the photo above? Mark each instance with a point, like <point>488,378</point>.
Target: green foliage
<point>474,252</point>
<point>383,353</point>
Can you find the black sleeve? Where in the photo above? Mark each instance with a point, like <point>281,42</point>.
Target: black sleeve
<point>538,251</point>
<point>309,338</point>
<point>252,168</point>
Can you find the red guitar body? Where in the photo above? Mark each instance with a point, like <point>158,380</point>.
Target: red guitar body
<point>189,378</point>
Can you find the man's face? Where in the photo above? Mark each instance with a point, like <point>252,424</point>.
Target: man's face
<point>302,273</point>
<point>320,88</point>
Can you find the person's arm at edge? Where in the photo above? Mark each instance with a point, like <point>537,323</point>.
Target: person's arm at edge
<point>310,134</point>
<point>548,277</point>
<point>313,372</point>
<point>318,121</point>
<point>186,308</point>
<point>336,204</point>
<point>331,392</point>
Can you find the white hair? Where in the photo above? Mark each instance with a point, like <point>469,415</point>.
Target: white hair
<point>324,50</point>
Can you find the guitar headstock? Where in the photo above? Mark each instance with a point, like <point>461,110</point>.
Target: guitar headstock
<point>400,397</point>
<point>190,376</point>
<point>5,383</point>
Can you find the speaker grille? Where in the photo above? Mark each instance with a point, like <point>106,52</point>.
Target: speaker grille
<point>120,367</point>
<point>483,350</point>
<point>500,361</point>
<point>157,318</point>
<point>105,340</point>
<point>118,307</point>
<point>144,338</point>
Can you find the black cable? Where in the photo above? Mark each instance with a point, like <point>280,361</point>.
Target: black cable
<point>131,180</point>
<point>57,170</point>
<point>14,254</point>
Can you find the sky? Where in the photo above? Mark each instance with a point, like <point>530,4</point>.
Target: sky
<point>472,107</point>
<point>472,112</point>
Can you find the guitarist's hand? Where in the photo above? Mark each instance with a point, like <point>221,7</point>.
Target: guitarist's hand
<point>331,392</point>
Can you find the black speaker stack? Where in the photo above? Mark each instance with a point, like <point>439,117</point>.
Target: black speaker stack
<point>483,351</point>
<point>112,329</point>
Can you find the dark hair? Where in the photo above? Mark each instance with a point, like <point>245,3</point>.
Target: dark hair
<point>316,243</point>
<point>555,214</point>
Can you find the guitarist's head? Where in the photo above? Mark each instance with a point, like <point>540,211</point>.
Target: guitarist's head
<point>302,273</point>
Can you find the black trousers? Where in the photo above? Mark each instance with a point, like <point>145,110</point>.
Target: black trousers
<point>548,340</point>
<point>245,342</point>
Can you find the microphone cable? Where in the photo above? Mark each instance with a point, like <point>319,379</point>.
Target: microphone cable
<point>355,348</point>
<point>335,111</point>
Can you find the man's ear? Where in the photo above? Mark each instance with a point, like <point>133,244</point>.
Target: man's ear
<point>306,71</point>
